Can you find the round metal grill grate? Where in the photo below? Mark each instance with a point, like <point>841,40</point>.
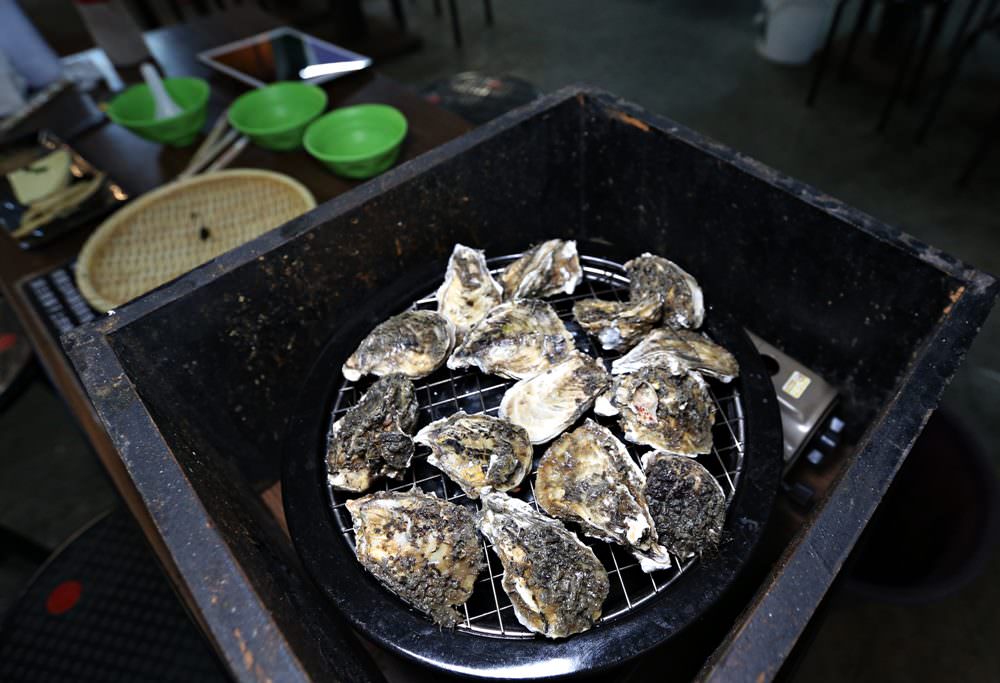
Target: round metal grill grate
<point>488,611</point>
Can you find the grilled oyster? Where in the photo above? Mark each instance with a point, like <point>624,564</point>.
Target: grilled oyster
<point>548,403</point>
<point>555,583</point>
<point>478,451</point>
<point>468,291</point>
<point>424,549</point>
<point>414,343</point>
<point>517,339</point>
<point>672,413</point>
<point>687,503</point>
<point>372,439</point>
<point>588,477</point>
<point>546,269</point>
<point>679,351</point>
<point>618,325</point>
<point>683,305</point>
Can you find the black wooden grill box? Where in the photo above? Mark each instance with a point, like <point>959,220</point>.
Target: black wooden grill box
<point>195,380</point>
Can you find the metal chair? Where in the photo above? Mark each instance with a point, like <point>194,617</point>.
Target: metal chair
<point>903,72</point>
<point>456,25</point>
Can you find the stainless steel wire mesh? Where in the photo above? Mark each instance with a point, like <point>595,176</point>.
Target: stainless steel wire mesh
<point>488,611</point>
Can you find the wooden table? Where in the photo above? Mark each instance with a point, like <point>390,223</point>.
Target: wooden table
<point>141,166</point>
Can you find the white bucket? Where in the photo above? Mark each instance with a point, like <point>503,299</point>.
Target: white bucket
<point>792,30</point>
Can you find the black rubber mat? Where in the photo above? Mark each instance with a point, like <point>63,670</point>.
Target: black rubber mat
<point>102,610</point>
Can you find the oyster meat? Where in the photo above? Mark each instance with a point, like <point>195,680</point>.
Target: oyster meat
<point>372,439</point>
<point>469,291</point>
<point>424,549</point>
<point>548,403</point>
<point>618,325</point>
<point>679,351</point>
<point>587,476</point>
<point>683,304</point>
<point>414,344</point>
<point>555,583</point>
<point>517,339</point>
<point>687,503</point>
<point>671,413</point>
<point>478,451</point>
<point>546,269</point>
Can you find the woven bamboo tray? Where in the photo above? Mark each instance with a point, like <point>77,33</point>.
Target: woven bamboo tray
<point>180,226</point>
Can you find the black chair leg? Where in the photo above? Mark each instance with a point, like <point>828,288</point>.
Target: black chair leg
<point>946,83</point>
<point>824,56</point>
<point>963,26</point>
<point>897,84</point>
<point>990,135</point>
<point>937,22</point>
<point>488,9</point>
<point>398,14</point>
<point>859,26</point>
<point>437,8</point>
<point>456,27</point>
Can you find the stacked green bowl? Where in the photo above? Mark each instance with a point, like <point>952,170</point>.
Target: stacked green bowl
<point>357,142</point>
<point>275,117</point>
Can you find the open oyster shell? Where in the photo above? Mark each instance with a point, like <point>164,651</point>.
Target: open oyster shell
<point>477,451</point>
<point>618,325</point>
<point>555,583</point>
<point>372,439</point>
<point>424,549</point>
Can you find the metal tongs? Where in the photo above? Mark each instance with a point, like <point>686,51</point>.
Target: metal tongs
<point>219,148</point>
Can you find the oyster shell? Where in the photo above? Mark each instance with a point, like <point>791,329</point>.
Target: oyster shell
<point>546,269</point>
<point>414,344</point>
<point>478,451</point>
<point>683,304</point>
<point>687,503</point>
<point>586,476</point>
<point>548,403</point>
<point>422,548</point>
<point>372,439</point>
<point>517,339</point>
<point>671,413</point>
<point>679,351</point>
<point>555,583</point>
<point>468,291</point>
<point>618,325</point>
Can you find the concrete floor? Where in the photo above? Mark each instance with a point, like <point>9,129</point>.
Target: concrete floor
<point>691,60</point>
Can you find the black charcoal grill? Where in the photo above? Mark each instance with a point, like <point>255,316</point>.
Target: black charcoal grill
<point>642,610</point>
<point>197,382</point>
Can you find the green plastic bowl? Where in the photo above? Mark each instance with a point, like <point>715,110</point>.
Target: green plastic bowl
<point>275,116</point>
<point>357,142</point>
<point>135,110</point>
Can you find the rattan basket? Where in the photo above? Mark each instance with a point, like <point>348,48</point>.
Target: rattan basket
<point>173,229</point>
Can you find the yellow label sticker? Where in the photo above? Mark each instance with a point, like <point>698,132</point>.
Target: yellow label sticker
<point>796,384</point>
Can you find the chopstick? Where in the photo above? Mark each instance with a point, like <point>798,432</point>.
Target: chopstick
<point>226,157</point>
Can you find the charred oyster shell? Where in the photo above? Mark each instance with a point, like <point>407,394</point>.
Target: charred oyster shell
<point>414,344</point>
<point>683,304</point>
<point>618,325</point>
<point>517,339</point>
<point>546,269</point>
<point>372,439</point>
<point>468,291</point>
<point>587,476</point>
<point>555,583</point>
<point>671,413</point>
<point>679,351</point>
<point>422,548</point>
<point>477,451</point>
<point>548,403</point>
<point>687,503</point>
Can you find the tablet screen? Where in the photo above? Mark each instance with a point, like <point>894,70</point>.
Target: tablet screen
<point>285,55</point>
